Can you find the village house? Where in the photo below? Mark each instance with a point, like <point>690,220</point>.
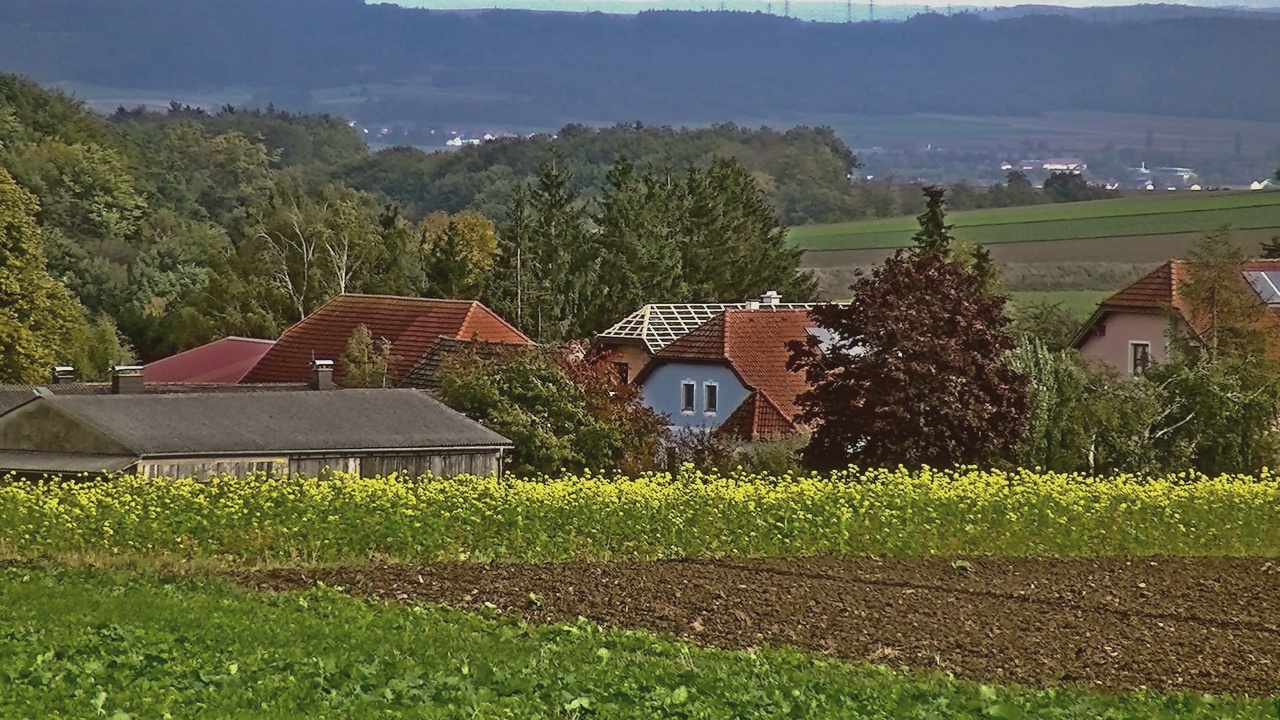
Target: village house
<point>1131,329</point>
<point>74,429</point>
<point>415,327</point>
<point>730,374</point>
<point>636,339</point>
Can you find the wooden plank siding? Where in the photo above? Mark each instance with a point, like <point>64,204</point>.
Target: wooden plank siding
<point>443,464</point>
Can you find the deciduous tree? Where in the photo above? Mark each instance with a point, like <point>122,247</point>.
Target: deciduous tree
<point>561,412</point>
<point>39,318</point>
<point>365,363</point>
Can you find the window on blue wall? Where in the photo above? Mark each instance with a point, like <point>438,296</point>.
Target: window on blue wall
<point>710,397</point>
<point>686,396</point>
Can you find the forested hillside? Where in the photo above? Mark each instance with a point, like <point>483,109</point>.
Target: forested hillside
<point>154,232</point>
<point>803,170</point>
<point>546,69</point>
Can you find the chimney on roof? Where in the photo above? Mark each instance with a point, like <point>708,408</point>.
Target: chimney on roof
<point>126,380</point>
<point>322,375</point>
<point>63,374</point>
<point>770,299</point>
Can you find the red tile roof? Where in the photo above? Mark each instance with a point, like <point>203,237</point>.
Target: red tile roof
<point>221,362</point>
<point>412,325</point>
<point>753,344</point>
<point>1153,291</point>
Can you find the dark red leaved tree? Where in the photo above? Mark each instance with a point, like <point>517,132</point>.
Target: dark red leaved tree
<point>915,372</point>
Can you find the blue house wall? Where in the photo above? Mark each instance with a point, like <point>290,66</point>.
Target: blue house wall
<point>662,392</point>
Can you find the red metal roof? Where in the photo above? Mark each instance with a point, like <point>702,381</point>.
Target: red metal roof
<point>754,344</point>
<point>411,325</point>
<point>221,362</point>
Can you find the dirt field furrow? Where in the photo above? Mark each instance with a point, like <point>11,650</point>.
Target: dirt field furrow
<point>1211,624</point>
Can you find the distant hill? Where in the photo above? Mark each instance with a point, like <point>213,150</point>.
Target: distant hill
<point>545,69</point>
<point>1131,13</point>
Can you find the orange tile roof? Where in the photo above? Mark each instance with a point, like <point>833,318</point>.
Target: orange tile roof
<point>753,344</point>
<point>412,325</point>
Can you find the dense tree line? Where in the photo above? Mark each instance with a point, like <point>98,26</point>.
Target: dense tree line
<point>804,171</point>
<point>567,268</point>
<point>536,69</point>
<point>171,229</point>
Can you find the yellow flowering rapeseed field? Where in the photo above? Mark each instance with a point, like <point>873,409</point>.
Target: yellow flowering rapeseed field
<point>688,514</point>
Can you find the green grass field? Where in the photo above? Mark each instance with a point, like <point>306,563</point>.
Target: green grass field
<point>79,643</point>
<point>1125,217</point>
<point>1081,303</point>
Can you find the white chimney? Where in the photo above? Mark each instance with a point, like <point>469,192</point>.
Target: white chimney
<point>753,305</point>
<point>770,299</point>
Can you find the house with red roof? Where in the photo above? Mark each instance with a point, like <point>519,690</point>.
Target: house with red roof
<point>730,374</point>
<point>413,326</point>
<point>1131,329</point>
<point>635,339</point>
<point>221,362</point>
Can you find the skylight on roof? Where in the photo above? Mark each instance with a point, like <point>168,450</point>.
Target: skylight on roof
<point>1266,283</point>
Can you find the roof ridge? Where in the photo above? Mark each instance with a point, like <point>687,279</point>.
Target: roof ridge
<point>466,321</point>
<point>410,298</point>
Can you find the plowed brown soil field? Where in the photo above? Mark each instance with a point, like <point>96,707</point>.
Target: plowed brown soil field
<point>1210,625</point>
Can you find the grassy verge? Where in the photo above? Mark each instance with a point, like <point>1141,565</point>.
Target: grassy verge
<point>86,643</point>
<point>1125,217</point>
<point>1023,513</point>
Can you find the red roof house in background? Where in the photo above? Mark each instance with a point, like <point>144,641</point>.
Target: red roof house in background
<point>413,326</point>
<point>221,362</point>
<point>730,375</point>
<point>1131,329</point>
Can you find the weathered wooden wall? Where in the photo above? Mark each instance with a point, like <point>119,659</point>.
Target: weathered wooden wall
<point>203,468</point>
<point>442,465</point>
<point>445,464</point>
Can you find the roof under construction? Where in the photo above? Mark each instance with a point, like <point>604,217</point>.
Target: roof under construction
<point>657,326</point>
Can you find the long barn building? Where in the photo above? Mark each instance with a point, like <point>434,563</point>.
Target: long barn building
<point>369,432</point>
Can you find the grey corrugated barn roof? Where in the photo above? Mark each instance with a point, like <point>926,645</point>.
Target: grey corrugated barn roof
<point>275,422</point>
<point>11,396</point>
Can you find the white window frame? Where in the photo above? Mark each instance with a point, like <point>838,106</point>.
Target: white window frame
<point>1133,364</point>
<point>705,398</point>
<point>693,395</point>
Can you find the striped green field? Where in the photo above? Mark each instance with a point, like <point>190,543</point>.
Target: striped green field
<point>1136,216</point>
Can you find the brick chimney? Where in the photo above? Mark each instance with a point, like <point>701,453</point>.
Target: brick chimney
<point>63,374</point>
<point>127,380</point>
<point>322,375</point>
